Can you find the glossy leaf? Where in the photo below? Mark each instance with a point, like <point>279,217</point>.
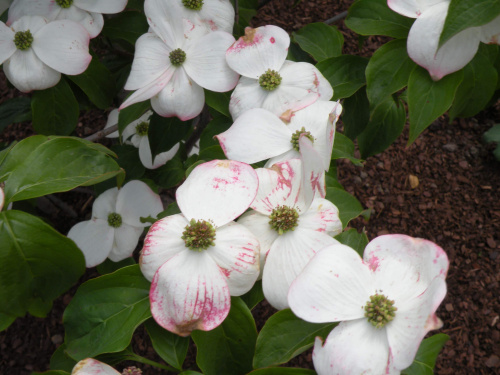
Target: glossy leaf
<point>229,348</point>
<point>356,114</point>
<point>320,40</point>
<point>170,174</point>
<point>128,159</point>
<point>254,296</point>
<point>343,148</point>
<point>37,263</point>
<point>14,156</point>
<point>354,240</point>
<point>216,126</point>
<point>349,207</point>
<point>425,360</point>
<point>132,113</point>
<point>493,134</point>
<point>285,336</point>
<point>104,313</point>
<point>218,101</point>
<point>14,110</point>
<point>108,266</point>
<point>128,26</point>
<point>55,110</point>
<point>165,132</point>
<point>61,361</point>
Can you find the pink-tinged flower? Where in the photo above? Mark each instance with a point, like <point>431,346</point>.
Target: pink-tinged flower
<point>115,227</point>
<point>174,63</point>
<point>423,39</point>
<point>86,13</point>
<point>34,53</point>
<point>386,303</point>
<point>290,226</point>
<point>198,259</point>
<point>136,133</point>
<point>212,15</point>
<point>2,198</point>
<point>92,366</point>
<point>268,80</point>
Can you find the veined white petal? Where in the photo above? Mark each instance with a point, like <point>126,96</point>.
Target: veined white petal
<point>322,216</point>
<point>99,6</point>
<point>412,8</point>
<point>160,159</point>
<point>189,292</point>
<point>92,22</point>
<point>218,191</point>
<point>246,95</point>
<point>91,366</point>
<point>112,120</point>
<point>217,15</point>
<point>287,155</point>
<point>7,46</point>
<point>95,240</point>
<point>313,171</point>
<point>490,33</point>
<point>43,8</point>
<point>125,242</point>
<point>135,200</point>
<point>105,204</point>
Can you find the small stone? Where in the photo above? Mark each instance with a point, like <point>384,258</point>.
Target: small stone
<point>448,307</point>
<point>493,255</point>
<point>473,150</point>
<point>413,181</point>
<point>451,147</point>
<point>463,164</point>
<point>56,339</point>
<point>363,174</point>
<point>493,361</point>
<point>491,242</point>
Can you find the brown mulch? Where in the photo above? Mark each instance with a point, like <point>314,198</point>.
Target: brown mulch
<point>456,204</point>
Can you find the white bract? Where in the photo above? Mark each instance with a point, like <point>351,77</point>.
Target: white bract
<point>88,13</point>
<point>136,133</point>
<point>92,366</point>
<point>174,63</point>
<point>34,53</point>
<point>423,39</point>
<point>2,198</point>
<point>115,227</point>
<point>270,81</point>
<point>386,303</point>
<point>290,225</point>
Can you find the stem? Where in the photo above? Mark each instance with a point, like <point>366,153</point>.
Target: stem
<point>101,133</point>
<point>138,358</point>
<point>200,123</point>
<point>236,12</point>
<point>338,17</point>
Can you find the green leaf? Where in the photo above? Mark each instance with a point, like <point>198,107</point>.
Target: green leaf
<point>285,336</point>
<point>229,348</point>
<point>55,110</point>
<point>493,134</point>
<point>254,296</point>
<point>356,114</point>
<point>61,361</point>
<point>170,347</point>
<point>108,266</point>
<point>212,153</point>
<point>247,10</point>
<point>218,101</point>
<point>476,89</point>
<point>170,174</point>
<point>214,127</point>
<point>387,71</point>
<point>349,207</point>
<point>172,209</point>
<point>132,113</point>
<point>15,155</point>
<point>428,99</point>
<point>97,83</point>
<point>374,17</point>
<point>386,124</point>
<point>189,372</point>
<point>343,148</point>
<point>52,372</point>
<point>104,313</point>
<point>127,25</point>
<point>345,73</point>
<point>295,53</point>
<point>165,132</point>
<point>36,262</point>
<point>128,159</point>
<point>6,321</point>
<point>282,371</point>
<point>425,360</point>
<point>59,164</point>
<point>14,110</point>
<point>463,14</point>
<point>354,240</point>
<point>320,40</point>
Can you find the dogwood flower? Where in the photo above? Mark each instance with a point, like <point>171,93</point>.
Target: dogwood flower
<point>2,198</point>
<point>115,227</point>
<point>386,303</point>
<point>268,80</point>
<point>34,53</point>
<point>136,133</point>
<point>85,12</point>
<point>175,62</point>
<point>290,226</point>
<point>423,39</point>
<point>92,366</point>
<point>198,259</point>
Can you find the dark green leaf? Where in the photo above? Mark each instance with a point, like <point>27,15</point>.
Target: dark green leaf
<point>492,135</point>
<point>52,372</point>
<point>212,153</point>
<point>61,361</point>
<point>349,207</point>
<point>218,101</point>
<point>254,295</point>
<point>55,110</point>
<point>247,10</point>
<point>295,53</point>
<point>14,110</point>
<point>170,174</point>
<point>132,113</point>
<point>108,266</point>
<point>128,26</point>
<point>354,240</point>
<point>15,155</point>
<point>321,41</point>
<point>128,159</point>
<point>229,348</point>
<point>285,336</point>
<point>331,177</point>
<point>282,371</point>
<point>355,114</point>
<point>425,360</point>
<point>165,132</point>
<point>172,209</point>
<point>214,127</point>
<point>104,313</point>
<point>343,148</point>
<point>6,321</point>
<point>37,264</point>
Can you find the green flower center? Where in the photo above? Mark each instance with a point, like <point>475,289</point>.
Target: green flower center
<point>142,129</point>
<point>379,310</point>
<point>64,3</point>
<point>283,219</point>
<point>23,40</point>
<point>115,220</point>
<point>177,57</point>
<point>296,136</point>
<point>193,4</point>
<point>270,80</point>
<point>199,235</point>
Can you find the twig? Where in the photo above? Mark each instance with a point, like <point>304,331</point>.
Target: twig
<point>236,12</point>
<point>337,18</point>
<point>62,205</point>
<point>101,133</point>
<point>200,123</point>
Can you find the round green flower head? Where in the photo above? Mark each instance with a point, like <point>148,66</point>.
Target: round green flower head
<point>283,219</point>
<point>142,128</point>
<point>379,310</point>
<point>199,235</point>
<point>23,40</point>
<point>177,57</point>
<point>64,3</point>
<point>296,136</point>
<point>115,220</point>
<point>193,4</point>
<point>270,80</point>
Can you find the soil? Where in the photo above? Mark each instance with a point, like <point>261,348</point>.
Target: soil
<point>445,187</point>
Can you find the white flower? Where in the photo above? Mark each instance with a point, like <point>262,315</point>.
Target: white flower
<point>92,366</point>
<point>88,13</point>
<point>174,63</point>
<point>2,198</point>
<point>268,80</point>
<point>34,53</point>
<point>136,133</point>
<point>402,276</point>
<point>423,39</point>
<point>290,225</point>
<point>198,259</point>
<point>115,227</point>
